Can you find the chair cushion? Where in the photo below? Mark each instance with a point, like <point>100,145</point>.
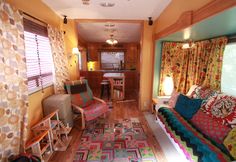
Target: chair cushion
<point>82,99</point>
<point>187,107</point>
<point>222,108</point>
<point>230,142</point>
<point>94,110</point>
<point>208,126</point>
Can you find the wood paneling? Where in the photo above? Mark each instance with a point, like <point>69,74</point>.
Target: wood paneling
<point>188,18</point>
<point>132,53</point>
<point>96,77</point>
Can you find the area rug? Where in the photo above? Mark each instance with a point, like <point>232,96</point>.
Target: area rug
<point>118,141</point>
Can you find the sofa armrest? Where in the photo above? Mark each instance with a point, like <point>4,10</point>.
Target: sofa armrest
<point>100,100</point>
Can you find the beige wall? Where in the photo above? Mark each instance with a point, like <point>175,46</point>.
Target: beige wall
<point>42,12</point>
<point>174,10</point>
<point>146,67</point>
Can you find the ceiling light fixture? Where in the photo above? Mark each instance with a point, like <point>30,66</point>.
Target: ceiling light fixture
<point>107,4</point>
<point>85,2</point>
<point>188,44</point>
<point>109,25</point>
<point>111,40</point>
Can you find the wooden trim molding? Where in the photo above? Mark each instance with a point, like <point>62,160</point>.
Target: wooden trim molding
<point>212,8</point>
<point>184,21</point>
<point>189,18</point>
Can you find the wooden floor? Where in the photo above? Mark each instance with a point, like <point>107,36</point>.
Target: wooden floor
<point>121,110</point>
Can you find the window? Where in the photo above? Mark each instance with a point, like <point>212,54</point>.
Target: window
<point>112,60</point>
<point>228,77</point>
<point>38,56</point>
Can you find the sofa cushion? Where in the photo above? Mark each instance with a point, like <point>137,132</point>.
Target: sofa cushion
<point>222,108</point>
<point>187,107</point>
<point>173,99</point>
<point>208,126</point>
<point>94,110</point>
<point>230,142</point>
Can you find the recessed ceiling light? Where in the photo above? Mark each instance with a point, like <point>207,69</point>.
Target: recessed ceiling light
<point>107,4</point>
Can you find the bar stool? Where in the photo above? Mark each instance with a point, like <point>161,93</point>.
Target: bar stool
<point>105,85</point>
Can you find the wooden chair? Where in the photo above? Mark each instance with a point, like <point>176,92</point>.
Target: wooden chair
<point>84,102</point>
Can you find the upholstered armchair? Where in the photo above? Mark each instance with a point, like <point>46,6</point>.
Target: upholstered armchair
<point>84,102</point>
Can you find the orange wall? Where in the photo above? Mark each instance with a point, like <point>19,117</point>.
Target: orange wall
<point>174,10</point>
<point>71,41</point>
<point>41,11</point>
<point>146,67</point>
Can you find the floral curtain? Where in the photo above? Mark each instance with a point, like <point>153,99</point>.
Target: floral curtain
<point>173,63</point>
<point>200,65</point>
<point>59,58</point>
<point>214,65</point>
<point>13,82</point>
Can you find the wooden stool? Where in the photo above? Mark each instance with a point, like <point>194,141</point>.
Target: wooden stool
<point>105,85</point>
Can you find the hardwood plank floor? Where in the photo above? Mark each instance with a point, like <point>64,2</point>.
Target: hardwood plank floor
<point>123,110</point>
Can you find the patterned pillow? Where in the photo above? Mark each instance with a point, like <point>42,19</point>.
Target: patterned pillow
<point>82,99</point>
<point>222,108</point>
<point>208,126</point>
<point>173,99</point>
<point>230,142</point>
<point>202,93</point>
<point>191,90</point>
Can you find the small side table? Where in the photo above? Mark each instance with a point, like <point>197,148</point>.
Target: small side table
<point>158,102</point>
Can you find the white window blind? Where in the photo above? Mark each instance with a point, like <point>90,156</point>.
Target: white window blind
<point>38,59</point>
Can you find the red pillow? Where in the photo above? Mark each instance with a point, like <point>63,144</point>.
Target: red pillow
<point>222,108</point>
<point>210,127</point>
<point>173,99</point>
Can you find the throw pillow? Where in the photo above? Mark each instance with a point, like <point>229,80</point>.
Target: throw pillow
<point>208,126</point>
<point>187,107</point>
<point>222,108</point>
<point>191,90</point>
<point>202,93</point>
<point>81,99</point>
<point>230,142</point>
<point>173,99</point>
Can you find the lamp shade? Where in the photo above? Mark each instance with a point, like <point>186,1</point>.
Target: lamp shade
<point>168,85</point>
<point>75,50</point>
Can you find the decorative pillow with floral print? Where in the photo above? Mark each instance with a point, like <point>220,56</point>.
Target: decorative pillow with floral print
<point>230,142</point>
<point>222,108</point>
<point>202,93</point>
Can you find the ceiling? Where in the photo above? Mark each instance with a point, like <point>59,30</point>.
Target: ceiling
<point>123,9</point>
<point>221,24</point>
<point>98,32</point>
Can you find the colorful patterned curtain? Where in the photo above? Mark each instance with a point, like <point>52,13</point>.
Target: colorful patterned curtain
<point>200,65</point>
<point>214,65</point>
<point>173,63</point>
<point>59,59</point>
<point>13,82</point>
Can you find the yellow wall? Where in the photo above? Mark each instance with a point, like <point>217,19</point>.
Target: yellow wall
<point>71,41</point>
<point>146,67</point>
<point>174,10</point>
<point>42,12</point>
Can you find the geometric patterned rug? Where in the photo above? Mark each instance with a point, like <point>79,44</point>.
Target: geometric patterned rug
<point>119,141</point>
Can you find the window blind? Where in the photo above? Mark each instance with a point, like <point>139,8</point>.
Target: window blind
<point>38,56</point>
